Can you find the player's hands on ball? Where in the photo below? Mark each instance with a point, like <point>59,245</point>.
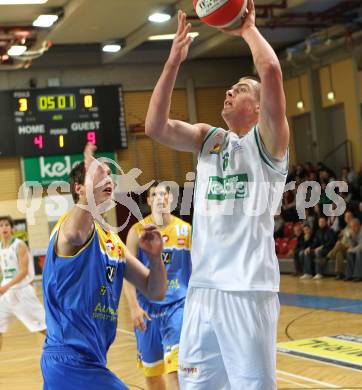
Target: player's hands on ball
<point>248,21</point>
<point>138,316</point>
<point>182,41</point>
<point>151,242</point>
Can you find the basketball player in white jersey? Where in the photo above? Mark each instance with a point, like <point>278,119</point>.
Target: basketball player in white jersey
<point>228,339</point>
<point>17,295</point>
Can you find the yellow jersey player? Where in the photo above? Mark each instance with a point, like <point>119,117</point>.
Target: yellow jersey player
<point>158,324</point>
<point>82,282</point>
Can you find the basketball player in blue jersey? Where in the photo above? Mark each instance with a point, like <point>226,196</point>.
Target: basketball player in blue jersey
<point>17,295</point>
<point>82,282</point>
<point>158,324</point>
<point>228,338</point>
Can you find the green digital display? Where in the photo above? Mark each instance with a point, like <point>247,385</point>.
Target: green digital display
<point>56,102</point>
<point>57,120</point>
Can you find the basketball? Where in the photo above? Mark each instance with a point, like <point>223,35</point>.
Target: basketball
<point>221,13</point>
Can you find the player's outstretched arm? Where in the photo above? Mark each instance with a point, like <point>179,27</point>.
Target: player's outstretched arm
<point>137,313</point>
<point>78,226</point>
<point>173,133</point>
<point>23,259</point>
<point>151,282</point>
<point>273,124</point>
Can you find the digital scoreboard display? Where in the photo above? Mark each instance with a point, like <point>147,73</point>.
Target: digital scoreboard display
<point>53,121</point>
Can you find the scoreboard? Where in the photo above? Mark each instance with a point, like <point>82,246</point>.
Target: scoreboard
<point>51,121</point>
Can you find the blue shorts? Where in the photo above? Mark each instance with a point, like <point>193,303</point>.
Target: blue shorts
<point>66,372</point>
<point>158,345</point>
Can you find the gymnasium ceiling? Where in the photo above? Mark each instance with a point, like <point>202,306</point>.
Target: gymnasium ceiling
<point>89,23</point>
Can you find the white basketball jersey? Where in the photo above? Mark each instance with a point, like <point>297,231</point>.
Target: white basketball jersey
<point>238,190</point>
<point>10,265</point>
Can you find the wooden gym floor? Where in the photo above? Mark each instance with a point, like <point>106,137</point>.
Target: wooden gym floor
<point>19,358</point>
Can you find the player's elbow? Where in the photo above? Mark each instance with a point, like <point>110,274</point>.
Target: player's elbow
<point>158,294</point>
<point>271,69</point>
<point>153,130</point>
<point>149,129</point>
<point>74,238</point>
<point>158,297</point>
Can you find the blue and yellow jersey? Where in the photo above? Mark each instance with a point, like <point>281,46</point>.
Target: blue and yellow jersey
<point>81,295</point>
<point>176,257</point>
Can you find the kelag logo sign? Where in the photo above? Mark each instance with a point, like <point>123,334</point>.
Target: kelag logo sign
<point>46,170</point>
<point>229,187</point>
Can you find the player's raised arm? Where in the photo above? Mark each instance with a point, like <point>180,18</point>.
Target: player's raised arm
<point>273,124</point>
<point>78,226</point>
<point>137,313</point>
<point>151,282</point>
<point>176,134</point>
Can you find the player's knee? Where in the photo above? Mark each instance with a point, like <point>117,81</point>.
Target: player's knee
<point>155,382</point>
<point>172,380</point>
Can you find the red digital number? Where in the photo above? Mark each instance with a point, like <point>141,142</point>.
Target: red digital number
<point>38,140</point>
<point>91,137</point>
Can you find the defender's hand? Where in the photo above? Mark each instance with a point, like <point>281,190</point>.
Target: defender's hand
<point>247,21</point>
<point>138,316</point>
<point>181,42</point>
<point>89,159</point>
<point>151,242</point>
<point>88,153</point>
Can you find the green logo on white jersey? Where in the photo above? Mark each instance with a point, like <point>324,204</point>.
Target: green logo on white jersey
<point>229,187</point>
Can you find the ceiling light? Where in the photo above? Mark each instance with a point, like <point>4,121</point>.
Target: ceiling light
<point>19,2</point>
<point>300,102</point>
<point>111,48</point>
<point>330,96</point>
<point>169,36</point>
<point>159,17</point>
<point>17,50</point>
<point>45,20</point>
<point>300,105</point>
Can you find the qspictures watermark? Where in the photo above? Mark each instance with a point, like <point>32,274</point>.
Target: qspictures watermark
<point>228,195</point>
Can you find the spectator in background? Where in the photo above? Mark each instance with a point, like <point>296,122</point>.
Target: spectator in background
<point>333,220</point>
<point>304,241</point>
<point>309,217</point>
<point>359,212</point>
<point>313,218</point>
<point>354,254</point>
<point>339,251</point>
<point>313,176</point>
<point>292,174</point>
<point>278,226</point>
<point>316,254</point>
<point>359,182</point>
<point>325,173</point>
<point>289,211</point>
<point>324,199</point>
<point>351,178</point>
<point>309,168</point>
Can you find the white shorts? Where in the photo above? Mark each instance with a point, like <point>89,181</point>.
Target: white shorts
<point>25,305</point>
<point>228,340</point>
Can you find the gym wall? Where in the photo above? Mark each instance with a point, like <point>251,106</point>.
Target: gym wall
<point>314,87</point>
